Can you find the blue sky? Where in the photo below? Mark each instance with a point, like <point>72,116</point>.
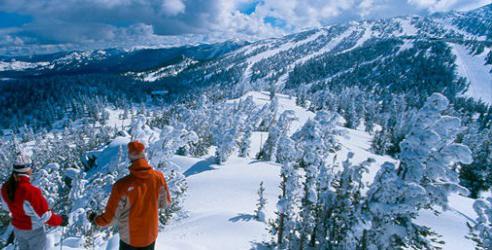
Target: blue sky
<point>28,26</point>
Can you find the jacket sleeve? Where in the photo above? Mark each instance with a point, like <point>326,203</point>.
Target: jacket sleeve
<point>107,217</point>
<point>164,194</point>
<point>39,205</point>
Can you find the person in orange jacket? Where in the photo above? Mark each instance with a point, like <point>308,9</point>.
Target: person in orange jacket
<point>134,202</point>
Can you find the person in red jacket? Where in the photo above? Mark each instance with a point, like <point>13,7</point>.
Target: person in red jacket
<point>28,207</point>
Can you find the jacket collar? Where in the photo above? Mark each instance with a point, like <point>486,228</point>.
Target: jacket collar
<point>140,168</point>
<point>23,178</point>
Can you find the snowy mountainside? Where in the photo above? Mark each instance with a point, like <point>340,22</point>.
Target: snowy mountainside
<point>109,60</point>
<point>336,55</point>
<point>408,55</point>
<point>220,201</point>
<point>367,53</point>
<point>166,71</point>
<point>19,65</point>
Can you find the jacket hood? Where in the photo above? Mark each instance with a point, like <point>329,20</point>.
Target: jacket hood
<point>140,168</point>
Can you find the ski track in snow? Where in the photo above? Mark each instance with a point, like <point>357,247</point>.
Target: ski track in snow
<point>473,68</point>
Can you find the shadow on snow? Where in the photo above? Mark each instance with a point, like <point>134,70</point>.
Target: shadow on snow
<point>201,166</point>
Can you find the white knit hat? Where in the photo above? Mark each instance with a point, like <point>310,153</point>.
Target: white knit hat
<point>22,163</point>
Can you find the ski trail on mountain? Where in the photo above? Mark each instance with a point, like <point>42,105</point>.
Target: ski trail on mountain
<point>272,52</point>
<point>476,71</point>
<point>326,49</point>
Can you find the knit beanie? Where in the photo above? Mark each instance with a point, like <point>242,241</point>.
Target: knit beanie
<point>23,163</point>
<point>136,150</point>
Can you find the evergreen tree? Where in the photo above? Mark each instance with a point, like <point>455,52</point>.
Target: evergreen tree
<point>226,133</point>
<point>477,176</point>
<point>429,154</point>
<point>481,230</point>
<point>285,225</point>
<point>260,206</point>
<point>50,181</point>
<point>424,179</point>
<point>342,215</point>
<point>276,131</point>
<point>317,140</point>
<point>393,205</point>
<point>245,142</point>
<point>381,143</point>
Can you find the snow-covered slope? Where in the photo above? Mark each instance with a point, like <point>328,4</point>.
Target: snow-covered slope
<point>167,71</point>
<point>220,205</point>
<point>221,199</point>
<point>20,65</point>
<point>332,55</point>
<point>346,50</point>
<point>473,68</point>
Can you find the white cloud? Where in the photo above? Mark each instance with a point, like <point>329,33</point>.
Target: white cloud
<point>434,5</point>
<point>173,7</point>
<point>111,21</point>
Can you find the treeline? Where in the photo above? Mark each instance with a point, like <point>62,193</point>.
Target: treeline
<point>38,103</point>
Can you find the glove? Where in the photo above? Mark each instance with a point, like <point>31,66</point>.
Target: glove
<point>64,222</point>
<point>91,216</point>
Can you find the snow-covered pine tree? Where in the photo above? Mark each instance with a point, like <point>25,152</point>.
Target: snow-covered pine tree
<point>427,174</point>
<point>381,143</point>
<point>277,130</point>
<point>269,115</point>
<point>481,230</point>
<point>49,180</point>
<point>301,97</point>
<point>317,140</point>
<point>140,131</point>
<point>392,205</point>
<point>160,152</point>
<point>284,226</point>
<point>352,116</point>
<point>272,89</point>
<point>342,215</point>
<point>260,206</point>
<point>226,133</point>
<point>177,187</point>
<point>97,191</point>
<point>429,155</point>
<point>79,225</point>
<point>477,176</point>
<point>252,117</point>
<point>370,115</point>
<point>245,142</point>
<point>199,120</point>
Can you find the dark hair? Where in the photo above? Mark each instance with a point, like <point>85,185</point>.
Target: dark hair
<point>11,187</point>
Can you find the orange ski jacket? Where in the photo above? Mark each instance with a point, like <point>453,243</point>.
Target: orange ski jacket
<point>134,203</point>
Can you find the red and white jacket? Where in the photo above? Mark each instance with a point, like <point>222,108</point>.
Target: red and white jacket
<point>29,209</point>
